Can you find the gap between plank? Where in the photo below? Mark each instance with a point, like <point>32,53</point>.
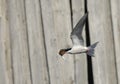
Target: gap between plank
<point>27,36</point>
<point>89,59</point>
<point>49,80</point>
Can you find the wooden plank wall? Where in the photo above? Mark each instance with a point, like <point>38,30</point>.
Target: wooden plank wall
<point>57,24</point>
<point>33,31</point>
<point>116,33</point>
<point>101,29</point>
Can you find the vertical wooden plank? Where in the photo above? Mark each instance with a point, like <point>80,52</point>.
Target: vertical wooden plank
<point>101,30</point>
<point>19,48</point>
<point>0,7</point>
<point>5,55</point>
<point>80,60</point>
<point>2,68</point>
<point>57,28</point>
<point>36,43</point>
<point>116,29</point>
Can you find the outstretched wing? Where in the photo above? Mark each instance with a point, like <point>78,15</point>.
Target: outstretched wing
<point>76,34</point>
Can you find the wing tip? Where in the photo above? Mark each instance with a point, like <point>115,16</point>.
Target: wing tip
<point>86,14</point>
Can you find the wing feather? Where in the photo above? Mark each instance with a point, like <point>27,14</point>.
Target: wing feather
<point>76,34</point>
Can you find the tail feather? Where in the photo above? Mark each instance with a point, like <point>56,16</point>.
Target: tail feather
<point>91,49</point>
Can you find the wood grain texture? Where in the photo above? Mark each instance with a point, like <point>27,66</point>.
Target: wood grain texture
<point>57,28</point>
<point>101,30</point>
<point>5,55</point>
<point>80,60</point>
<point>116,30</point>
<point>39,67</point>
<point>2,54</point>
<point>0,7</point>
<point>19,46</point>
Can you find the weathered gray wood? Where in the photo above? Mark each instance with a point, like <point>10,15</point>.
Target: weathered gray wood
<point>57,28</point>
<point>39,67</point>
<point>80,60</point>
<point>5,57</point>
<point>0,7</point>
<point>19,46</point>
<point>115,8</point>
<point>101,30</point>
<point>2,63</point>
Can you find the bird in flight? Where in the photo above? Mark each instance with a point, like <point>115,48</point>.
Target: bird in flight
<point>77,40</point>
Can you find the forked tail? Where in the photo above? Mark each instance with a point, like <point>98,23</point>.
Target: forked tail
<point>91,49</point>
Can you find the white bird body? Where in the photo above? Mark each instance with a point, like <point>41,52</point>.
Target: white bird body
<point>77,40</point>
<point>78,50</point>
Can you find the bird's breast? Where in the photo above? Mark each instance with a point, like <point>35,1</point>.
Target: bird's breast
<point>76,50</point>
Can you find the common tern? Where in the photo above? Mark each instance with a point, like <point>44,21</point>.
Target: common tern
<point>77,40</point>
